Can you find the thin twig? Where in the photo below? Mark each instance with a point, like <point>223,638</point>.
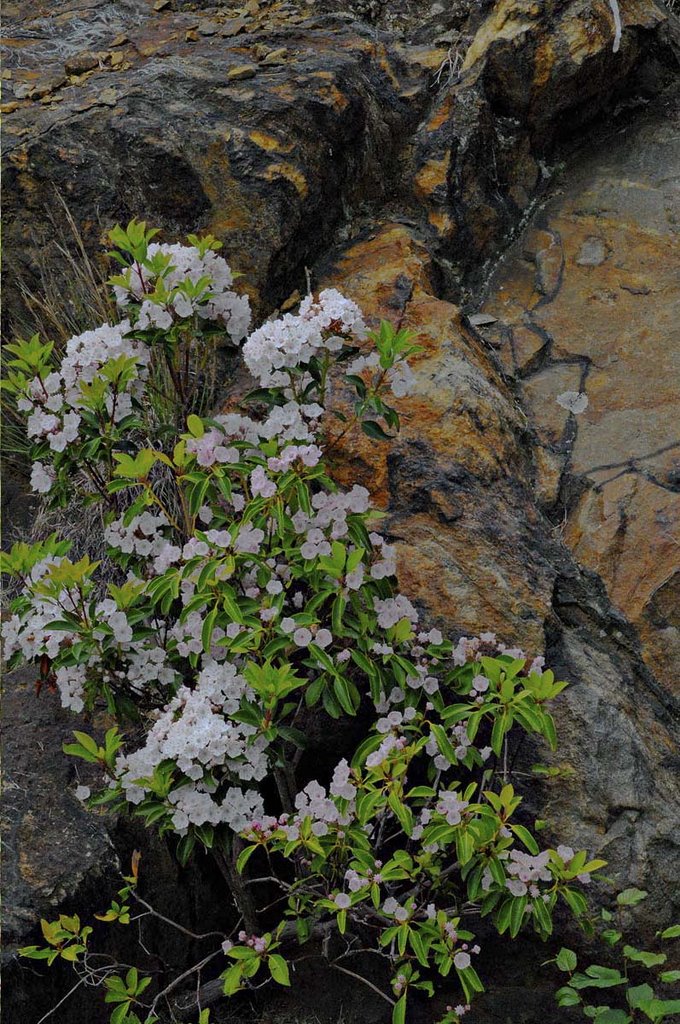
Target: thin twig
<point>365,981</point>
<point>179,927</point>
<point>268,878</point>
<point>62,1000</point>
<point>176,981</point>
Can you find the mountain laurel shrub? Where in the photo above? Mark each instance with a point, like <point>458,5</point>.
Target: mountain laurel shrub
<point>242,591</point>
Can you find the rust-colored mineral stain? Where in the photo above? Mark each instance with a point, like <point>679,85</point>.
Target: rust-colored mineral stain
<point>291,173</point>
<point>441,114</point>
<point>431,176</point>
<point>544,62</point>
<point>441,222</point>
<point>269,142</point>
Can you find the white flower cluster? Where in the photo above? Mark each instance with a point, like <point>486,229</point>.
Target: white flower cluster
<point>282,344</point>
<point>148,664</point>
<point>329,522</point>
<point>217,301</point>
<point>392,609</point>
<point>54,404</point>
<point>315,803</point>
<point>450,806</point>
<point>526,870</point>
<point>391,743</point>
<point>288,423</point>
<point>395,719</point>
<point>29,634</point>
<point>196,732</point>
<point>472,648</point>
<point>400,376</point>
<point>142,536</point>
<point>42,478</point>
<point>461,743</point>
<point>71,684</point>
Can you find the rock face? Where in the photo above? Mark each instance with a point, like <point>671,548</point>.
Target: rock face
<point>55,852</point>
<point>476,547</point>
<point>52,845</point>
<point>393,149</point>
<point>532,72</point>
<point>277,124</point>
<point>588,302</point>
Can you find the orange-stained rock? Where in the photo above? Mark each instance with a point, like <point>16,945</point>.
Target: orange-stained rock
<point>608,327</point>
<point>456,482</point>
<point>533,71</point>
<point>628,532</point>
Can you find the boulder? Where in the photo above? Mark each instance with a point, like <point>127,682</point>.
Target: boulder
<point>607,330</point>
<point>530,75</point>
<point>478,552</point>
<point>392,150</point>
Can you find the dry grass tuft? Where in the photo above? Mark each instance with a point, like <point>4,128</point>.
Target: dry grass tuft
<point>51,311</point>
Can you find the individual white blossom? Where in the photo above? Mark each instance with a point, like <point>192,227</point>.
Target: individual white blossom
<point>42,477</point>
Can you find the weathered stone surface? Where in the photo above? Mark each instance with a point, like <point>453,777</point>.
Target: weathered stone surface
<point>457,481</point>
<point>177,140</point>
<point>407,143</point>
<point>60,858</point>
<point>609,329</point>
<point>271,167</point>
<point>53,847</point>
<point>532,73</point>
<point>475,550</point>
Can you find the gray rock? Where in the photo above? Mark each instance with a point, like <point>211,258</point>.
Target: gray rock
<point>54,849</point>
<point>593,252</point>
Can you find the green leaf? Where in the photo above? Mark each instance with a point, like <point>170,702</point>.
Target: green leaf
<point>342,692</point>
<point>399,1012</point>
<point>336,615</point>
<point>278,969</point>
<point>185,848</point>
<point>465,846</point>
<point>244,856</point>
<point>243,953</point>
<point>598,977</point>
<point>660,1008</point>
<point>500,727</point>
<point>503,916</point>
<point>567,997</point>
<point>576,901</point>
<point>526,837</point>
<point>639,956</point>
<point>566,960</point>
<point>671,933</point>
<point>419,948</point>
<point>443,743</point>
<point>638,995</point>
<point>195,425</point>
<point>232,979</point>
<point>517,910</point>
<point>208,627</point>
<point>631,897</point>
<point>542,919</point>
<point>86,741</point>
<point>120,1013</point>
<point>549,731</point>
<point>376,432</point>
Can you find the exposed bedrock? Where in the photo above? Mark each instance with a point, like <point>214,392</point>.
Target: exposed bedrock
<point>395,150</point>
